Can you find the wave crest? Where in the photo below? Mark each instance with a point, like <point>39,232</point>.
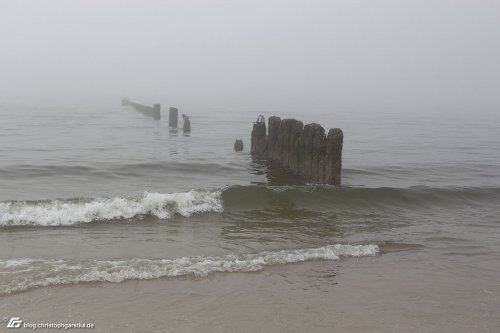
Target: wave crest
<point>40,273</point>
<point>70,212</point>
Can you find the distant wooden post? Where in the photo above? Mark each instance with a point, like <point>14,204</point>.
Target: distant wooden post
<point>156,111</point>
<point>238,145</point>
<point>186,128</point>
<point>173,114</point>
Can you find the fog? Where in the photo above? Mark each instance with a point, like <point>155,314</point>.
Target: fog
<point>407,56</point>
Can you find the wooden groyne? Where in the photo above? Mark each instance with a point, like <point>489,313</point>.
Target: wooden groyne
<point>305,150</point>
<point>154,111</point>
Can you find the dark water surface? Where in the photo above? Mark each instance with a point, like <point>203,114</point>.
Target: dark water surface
<point>108,195</point>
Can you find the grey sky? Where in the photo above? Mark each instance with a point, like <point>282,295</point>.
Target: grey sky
<point>369,55</point>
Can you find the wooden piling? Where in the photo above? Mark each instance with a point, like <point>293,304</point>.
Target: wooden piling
<point>259,139</point>
<point>305,150</point>
<point>274,124</point>
<point>238,145</point>
<point>186,128</point>
<point>156,111</point>
<point>173,114</point>
<point>333,165</point>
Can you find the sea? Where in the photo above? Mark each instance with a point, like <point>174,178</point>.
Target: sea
<point>110,217</point>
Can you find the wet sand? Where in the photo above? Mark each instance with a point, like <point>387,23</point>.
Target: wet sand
<point>396,292</point>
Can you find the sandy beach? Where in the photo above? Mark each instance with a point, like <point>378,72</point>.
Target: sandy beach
<point>391,293</point>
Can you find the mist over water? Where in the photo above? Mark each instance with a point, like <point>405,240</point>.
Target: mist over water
<point>402,56</point>
<point>92,192</point>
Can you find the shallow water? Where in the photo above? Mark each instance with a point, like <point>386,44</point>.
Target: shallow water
<point>96,195</point>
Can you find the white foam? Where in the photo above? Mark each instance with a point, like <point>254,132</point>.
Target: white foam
<point>15,263</point>
<point>161,205</point>
<point>57,272</point>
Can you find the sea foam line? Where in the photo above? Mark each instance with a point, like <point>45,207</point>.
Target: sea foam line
<point>24,274</point>
<point>160,205</point>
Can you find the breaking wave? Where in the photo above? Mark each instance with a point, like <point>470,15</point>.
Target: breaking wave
<point>73,211</point>
<point>67,212</point>
<point>34,273</point>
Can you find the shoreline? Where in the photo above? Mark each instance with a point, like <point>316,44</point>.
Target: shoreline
<point>390,293</point>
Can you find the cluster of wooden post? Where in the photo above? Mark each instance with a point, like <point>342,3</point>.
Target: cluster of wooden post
<point>305,150</point>
<point>155,112</point>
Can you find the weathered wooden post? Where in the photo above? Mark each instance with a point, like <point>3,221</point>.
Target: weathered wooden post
<point>307,139</point>
<point>273,151</point>
<point>296,128</point>
<point>186,128</point>
<point>318,152</point>
<point>333,165</point>
<point>238,145</point>
<point>284,141</point>
<point>258,143</point>
<point>156,111</point>
<point>173,114</point>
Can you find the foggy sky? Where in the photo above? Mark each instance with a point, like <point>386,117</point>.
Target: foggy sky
<point>418,55</point>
